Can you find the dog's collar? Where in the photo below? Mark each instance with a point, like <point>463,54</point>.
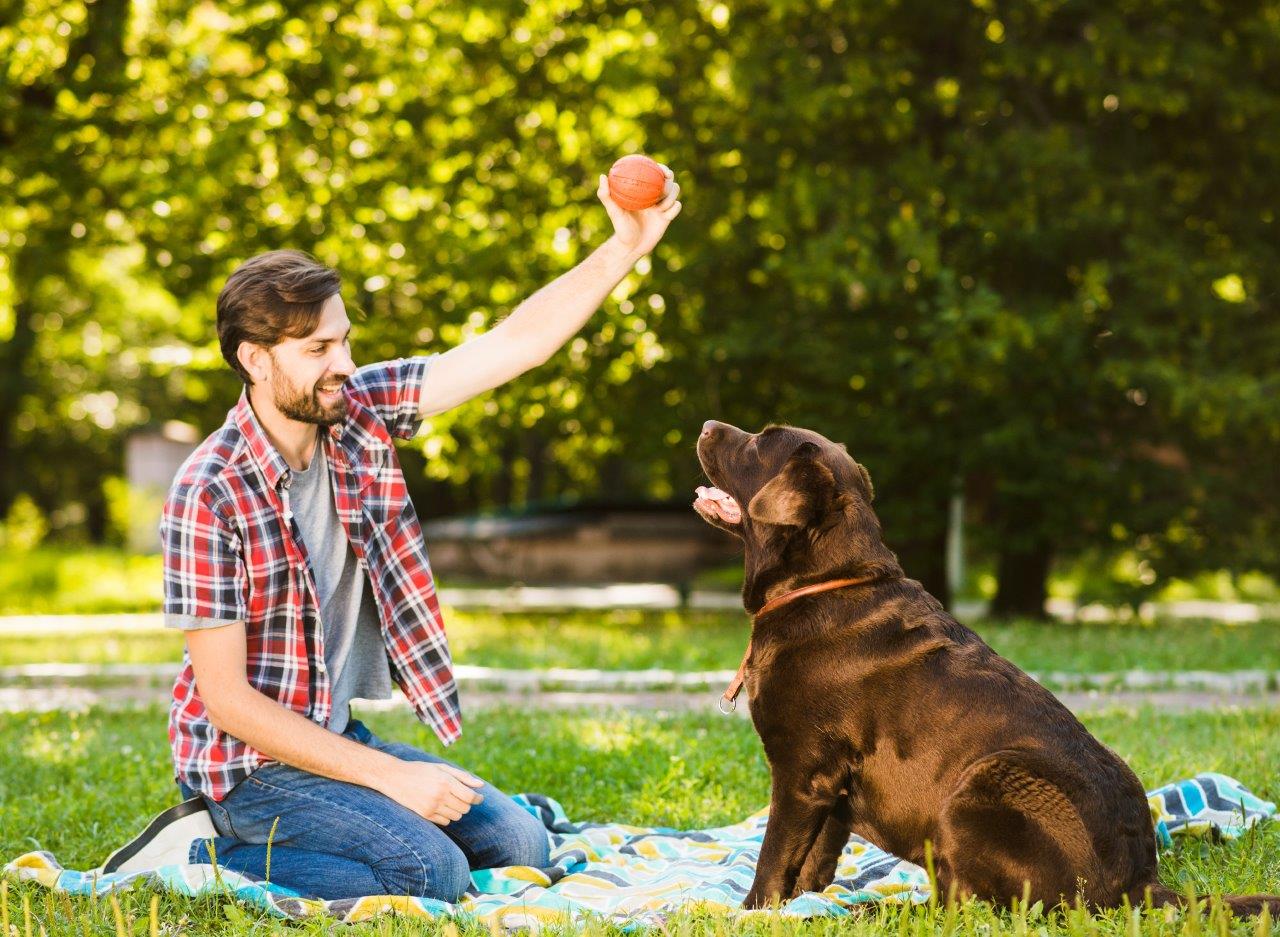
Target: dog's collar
<point>730,695</point>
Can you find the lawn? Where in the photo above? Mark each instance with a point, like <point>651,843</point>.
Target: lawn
<point>690,641</point>
<point>84,580</point>
<point>77,784</point>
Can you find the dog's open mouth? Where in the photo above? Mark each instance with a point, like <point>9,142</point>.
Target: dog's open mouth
<point>718,503</point>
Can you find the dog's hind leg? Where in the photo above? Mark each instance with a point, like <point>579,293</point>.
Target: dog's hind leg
<point>820,866</point>
<point>1006,828</point>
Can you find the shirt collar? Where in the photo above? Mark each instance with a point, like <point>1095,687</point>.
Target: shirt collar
<point>263,450</point>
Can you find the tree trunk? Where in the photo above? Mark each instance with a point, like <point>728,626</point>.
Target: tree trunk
<point>13,364</point>
<point>44,254</point>
<point>1023,581</point>
<point>913,511</point>
<point>925,558</point>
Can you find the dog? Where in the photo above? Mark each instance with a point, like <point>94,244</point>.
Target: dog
<point>881,715</point>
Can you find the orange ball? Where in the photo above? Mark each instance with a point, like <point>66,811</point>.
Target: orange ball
<point>636,182</point>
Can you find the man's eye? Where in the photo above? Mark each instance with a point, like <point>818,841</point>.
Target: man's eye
<point>317,351</point>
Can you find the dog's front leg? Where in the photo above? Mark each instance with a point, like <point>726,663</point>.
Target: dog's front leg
<point>795,818</point>
<point>819,868</point>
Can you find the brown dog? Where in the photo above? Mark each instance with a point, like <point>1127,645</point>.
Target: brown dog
<point>882,715</point>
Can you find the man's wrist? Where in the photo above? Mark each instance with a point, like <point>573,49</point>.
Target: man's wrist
<point>618,257</point>
<point>378,768</point>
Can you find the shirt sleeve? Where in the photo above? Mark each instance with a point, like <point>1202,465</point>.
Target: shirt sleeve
<point>204,571</point>
<point>193,623</point>
<point>393,389</point>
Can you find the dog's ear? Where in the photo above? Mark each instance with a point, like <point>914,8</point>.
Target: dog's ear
<point>869,492</point>
<point>798,494</point>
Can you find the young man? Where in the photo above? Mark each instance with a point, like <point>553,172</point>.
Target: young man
<point>294,563</point>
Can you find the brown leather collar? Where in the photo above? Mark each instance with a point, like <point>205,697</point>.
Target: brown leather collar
<point>730,695</point>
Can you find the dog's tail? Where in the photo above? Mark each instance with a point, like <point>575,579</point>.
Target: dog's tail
<point>1240,905</point>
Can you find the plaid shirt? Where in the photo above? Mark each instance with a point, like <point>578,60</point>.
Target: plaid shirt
<point>232,552</point>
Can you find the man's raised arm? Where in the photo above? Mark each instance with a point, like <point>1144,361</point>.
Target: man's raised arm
<point>540,325</point>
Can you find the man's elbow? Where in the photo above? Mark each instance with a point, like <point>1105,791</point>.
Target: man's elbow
<point>225,704</point>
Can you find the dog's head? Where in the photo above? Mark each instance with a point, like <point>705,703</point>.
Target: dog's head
<point>807,502</point>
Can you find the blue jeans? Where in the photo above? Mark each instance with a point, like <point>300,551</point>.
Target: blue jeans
<point>339,840</point>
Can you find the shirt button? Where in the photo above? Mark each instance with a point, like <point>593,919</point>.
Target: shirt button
<point>322,668</point>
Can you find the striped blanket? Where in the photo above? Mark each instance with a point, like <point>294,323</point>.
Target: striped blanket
<point>636,876</point>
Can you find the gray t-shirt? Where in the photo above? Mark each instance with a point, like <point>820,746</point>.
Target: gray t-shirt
<point>354,653</point>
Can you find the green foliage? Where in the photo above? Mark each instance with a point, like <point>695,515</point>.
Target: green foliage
<point>86,581</point>
<point>1027,251</point>
<point>23,528</point>
<point>133,513</point>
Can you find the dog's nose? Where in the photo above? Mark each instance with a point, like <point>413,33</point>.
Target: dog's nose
<point>709,427</point>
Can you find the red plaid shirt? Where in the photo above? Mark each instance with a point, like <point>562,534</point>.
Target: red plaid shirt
<point>233,553</point>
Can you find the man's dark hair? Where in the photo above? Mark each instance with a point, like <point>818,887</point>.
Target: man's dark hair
<point>271,297</point>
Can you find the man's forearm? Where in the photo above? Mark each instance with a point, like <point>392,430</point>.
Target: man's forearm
<point>534,332</point>
<point>292,738</point>
<point>553,315</point>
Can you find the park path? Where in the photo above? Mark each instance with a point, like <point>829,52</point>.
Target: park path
<point>40,687</point>
<point>79,698</point>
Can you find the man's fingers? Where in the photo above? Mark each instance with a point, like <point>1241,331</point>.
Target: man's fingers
<point>666,170</point>
<point>671,193</point>
<point>616,215</point>
<point>464,776</point>
<point>463,794</point>
<point>452,805</point>
<point>670,213</point>
<point>461,798</point>
<point>602,193</point>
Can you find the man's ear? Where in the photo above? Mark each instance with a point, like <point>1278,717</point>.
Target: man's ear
<point>252,358</point>
<point>796,495</point>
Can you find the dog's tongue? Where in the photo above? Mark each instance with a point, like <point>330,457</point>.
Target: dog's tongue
<point>719,503</point>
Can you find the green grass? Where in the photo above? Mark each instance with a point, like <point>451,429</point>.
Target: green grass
<point>87,580</point>
<point>626,640</point>
<point>78,784</point>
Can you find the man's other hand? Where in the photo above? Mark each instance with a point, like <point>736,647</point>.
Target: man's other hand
<point>437,792</point>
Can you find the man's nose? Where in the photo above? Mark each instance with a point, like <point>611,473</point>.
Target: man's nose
<point>343,364</point>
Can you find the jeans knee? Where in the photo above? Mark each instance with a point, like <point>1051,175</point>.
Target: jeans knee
<point>440,872</point>
<point>530,844</point>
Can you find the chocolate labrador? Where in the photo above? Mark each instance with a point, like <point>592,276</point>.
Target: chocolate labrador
<point>882,715</point>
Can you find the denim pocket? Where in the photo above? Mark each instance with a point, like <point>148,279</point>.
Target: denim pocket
<point>261,777</point>
<point>221,818</point>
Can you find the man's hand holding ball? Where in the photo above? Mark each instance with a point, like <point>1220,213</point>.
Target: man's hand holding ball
<point>641,197</point>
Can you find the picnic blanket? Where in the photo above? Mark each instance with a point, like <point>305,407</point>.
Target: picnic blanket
<point>636,876</point>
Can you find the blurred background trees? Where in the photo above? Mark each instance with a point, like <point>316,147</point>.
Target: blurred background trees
<point>1023,253</point>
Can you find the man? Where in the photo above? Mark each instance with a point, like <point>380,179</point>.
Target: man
<point>295,565</point>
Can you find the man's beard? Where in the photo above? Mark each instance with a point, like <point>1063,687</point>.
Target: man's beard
<point>304,405</point>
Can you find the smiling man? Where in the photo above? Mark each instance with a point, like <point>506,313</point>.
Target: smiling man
<point>294,563</point>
